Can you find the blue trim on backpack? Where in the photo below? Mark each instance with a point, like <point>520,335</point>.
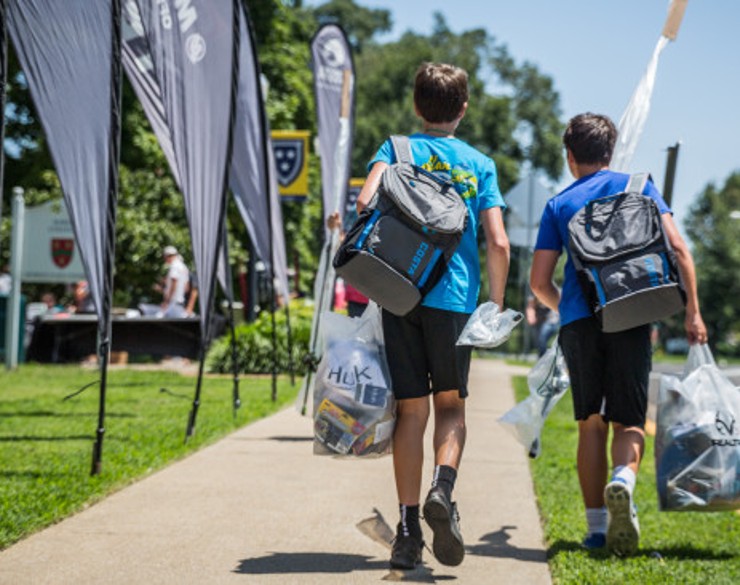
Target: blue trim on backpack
<point>428,270</point>
<point>599,288</point>
<point>666,268</point>
<point>366,230</point>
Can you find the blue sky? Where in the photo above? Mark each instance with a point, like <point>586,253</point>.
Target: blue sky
<point>596,51</point>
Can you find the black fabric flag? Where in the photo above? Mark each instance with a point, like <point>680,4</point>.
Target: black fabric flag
<point>253,177</point>
<point>334,83</point>
<point>334,86</point>
<point>66,50</point>
<point>191,44</point>
<point>70,54</point>
<point>139,66</point>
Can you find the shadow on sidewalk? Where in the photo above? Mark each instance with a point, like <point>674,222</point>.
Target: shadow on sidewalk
<point>496,544</point>
<point>308,562</point>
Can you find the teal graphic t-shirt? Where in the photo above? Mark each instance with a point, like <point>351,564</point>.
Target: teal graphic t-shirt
<point>475,179</point>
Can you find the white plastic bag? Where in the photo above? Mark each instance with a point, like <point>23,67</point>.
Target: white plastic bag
<point>697,440</point>
<point>548,381</point>
<point>488,327</point>
<point>354,408</point>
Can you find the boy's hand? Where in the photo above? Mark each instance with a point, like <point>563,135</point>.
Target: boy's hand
<point>334,222</point>
<point>696,330</point>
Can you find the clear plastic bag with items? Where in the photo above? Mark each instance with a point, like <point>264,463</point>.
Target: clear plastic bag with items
<point>354,408</point>
<point>697,439</point>
<point>548,381</point>
<point>488,326</point>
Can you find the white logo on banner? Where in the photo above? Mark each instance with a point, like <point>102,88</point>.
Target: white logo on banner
<point>195,47</point>
<point>164,14</point>
<point>333,58</point>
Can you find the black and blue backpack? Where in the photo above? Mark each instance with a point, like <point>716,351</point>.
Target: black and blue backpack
<point>400,245</point>
<point>625,264</point>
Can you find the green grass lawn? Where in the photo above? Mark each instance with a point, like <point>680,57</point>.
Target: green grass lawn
<point>675,547</point>
<point>46,442</point>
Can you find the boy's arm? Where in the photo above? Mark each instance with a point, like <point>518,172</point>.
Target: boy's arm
<point>540,277</point>
<point>696,331</point>
<point>371,185</point>
<point>497,253</point>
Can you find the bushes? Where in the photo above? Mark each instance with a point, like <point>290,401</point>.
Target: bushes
<point>254,351</point>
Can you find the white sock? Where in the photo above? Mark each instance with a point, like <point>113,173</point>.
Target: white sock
<point>596,520</point>
<point>626,475</point>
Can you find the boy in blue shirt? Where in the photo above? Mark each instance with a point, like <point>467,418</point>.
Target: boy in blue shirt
<point>609,372</point>
<point>420,347</point>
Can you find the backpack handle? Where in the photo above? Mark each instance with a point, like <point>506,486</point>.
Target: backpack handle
<point>635,185</point>
<point>402,149</point>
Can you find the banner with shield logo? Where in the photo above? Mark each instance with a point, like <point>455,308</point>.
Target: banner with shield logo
<point>290,148</point>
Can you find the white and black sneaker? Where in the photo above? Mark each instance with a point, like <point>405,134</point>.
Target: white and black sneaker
<point>441,515</point>
<point>623,528</point>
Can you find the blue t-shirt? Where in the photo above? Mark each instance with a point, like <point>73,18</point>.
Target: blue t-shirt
<point>553,233</point>
<point>475,179</point>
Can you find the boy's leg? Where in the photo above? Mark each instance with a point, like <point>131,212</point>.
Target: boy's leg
<point>582,345</point>
<point>408,456</point>
<point>408,369</point>
<point>449,428</point>
<point>628,446</point>
<point>408,448</point>
<point>440,512</point>
<point>593,465</point>
<point>628,372</point>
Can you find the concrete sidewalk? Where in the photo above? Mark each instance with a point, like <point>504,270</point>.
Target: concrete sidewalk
<point>259,507</point>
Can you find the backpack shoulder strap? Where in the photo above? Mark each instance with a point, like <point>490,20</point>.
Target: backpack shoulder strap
<point>637,182</point>
<point>402,148</point>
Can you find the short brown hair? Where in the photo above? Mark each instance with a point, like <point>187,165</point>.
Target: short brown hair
<point>440,91</point>
<point>590,138</point>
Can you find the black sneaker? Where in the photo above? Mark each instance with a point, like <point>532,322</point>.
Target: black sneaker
<point>443,519</point>
<point>406,553</point>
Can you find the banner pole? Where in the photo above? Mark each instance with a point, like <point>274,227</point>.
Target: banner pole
<point>3,85</point>
<point>234,365</point>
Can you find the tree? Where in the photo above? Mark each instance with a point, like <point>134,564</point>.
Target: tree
<point>360,24</point>
<point>714,229</point>
<point>517,124</point>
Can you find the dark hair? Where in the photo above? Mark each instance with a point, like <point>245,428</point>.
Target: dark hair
<point>590,138</point>
<point>440,91</point>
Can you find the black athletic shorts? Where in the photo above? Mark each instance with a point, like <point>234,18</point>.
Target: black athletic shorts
<point>608,369</point>
<point>421,351</point>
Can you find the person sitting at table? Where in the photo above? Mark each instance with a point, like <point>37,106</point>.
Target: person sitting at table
<point>82,301</point>
<point>173,291</point>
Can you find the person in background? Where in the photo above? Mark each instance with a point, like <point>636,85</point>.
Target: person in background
<point>52,306</point>
<point>355,301</point>
<point>82,301</point>
<point>544,322</point>
<point>191,294</point>
<point>175,284</point>
<point>609,372</point>
<point>5,280</point>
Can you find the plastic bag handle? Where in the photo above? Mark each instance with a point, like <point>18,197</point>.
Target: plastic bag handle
<point>699,355</point>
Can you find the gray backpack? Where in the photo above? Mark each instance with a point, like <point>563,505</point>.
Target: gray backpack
<point>400,245</point>
<point>625,264</point>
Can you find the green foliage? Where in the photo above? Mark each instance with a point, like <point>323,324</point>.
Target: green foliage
<point>359,23</point>
<point>714,229</point>
<point>46,443</point>
<point>518,122</point>
<point>254,344</point>
<point>513,117</point>
<point>692,547</point>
